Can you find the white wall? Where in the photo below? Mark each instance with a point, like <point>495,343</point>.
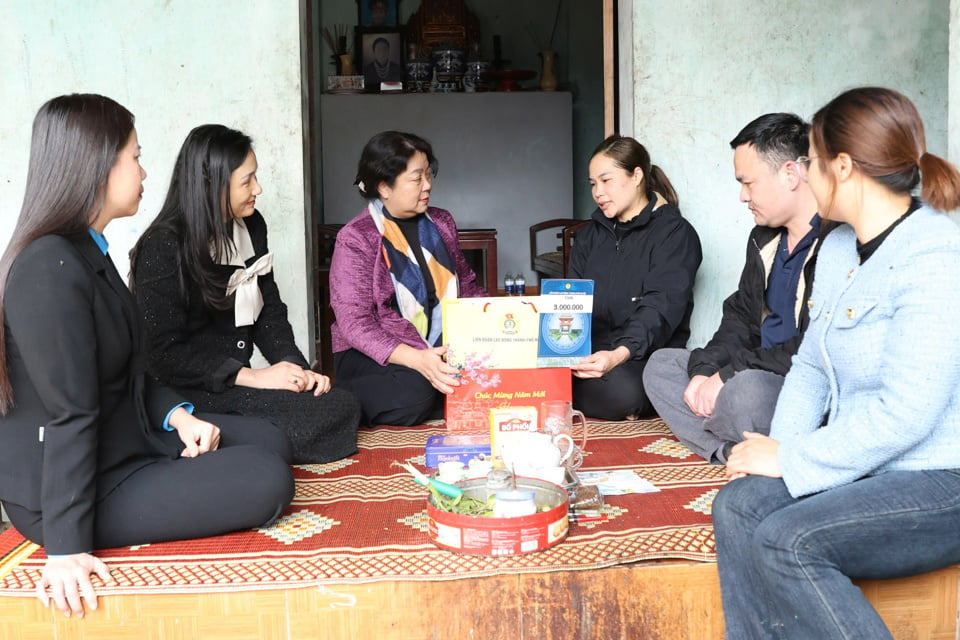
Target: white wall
<point>702,70</point>
<point>175,64</point>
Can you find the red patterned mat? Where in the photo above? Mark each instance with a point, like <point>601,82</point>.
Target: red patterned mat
<point>363,520</point>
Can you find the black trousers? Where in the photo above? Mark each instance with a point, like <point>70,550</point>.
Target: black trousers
<point>391,394</point>
<point>245,483</point>
<point>614,396</point>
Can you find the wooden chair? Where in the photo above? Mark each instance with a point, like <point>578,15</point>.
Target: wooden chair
<point>483,241</point>
<point>324,240</point>
<point>555,263</point>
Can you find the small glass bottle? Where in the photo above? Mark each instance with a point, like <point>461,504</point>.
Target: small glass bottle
<point>520,284</point>
<point>509,285</point>
<point>498,480</point>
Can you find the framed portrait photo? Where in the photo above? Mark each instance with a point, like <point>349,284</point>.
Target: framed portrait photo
<point>381,56</point>
<point>378,13</point>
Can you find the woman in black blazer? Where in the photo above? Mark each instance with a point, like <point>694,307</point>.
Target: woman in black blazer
<point>93,452</point>
<point>202,275</point>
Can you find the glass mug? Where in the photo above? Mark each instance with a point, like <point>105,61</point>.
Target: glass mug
<point>556,416</point>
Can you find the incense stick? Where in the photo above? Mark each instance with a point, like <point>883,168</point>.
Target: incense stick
<point>334,39</point>
<point>330,41</point>
<point>556,19</point>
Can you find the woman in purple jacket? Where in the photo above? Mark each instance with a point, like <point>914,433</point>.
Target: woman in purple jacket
<point>392,266</point>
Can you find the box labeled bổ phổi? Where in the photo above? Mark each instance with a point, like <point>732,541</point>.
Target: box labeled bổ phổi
<point>505,421</point>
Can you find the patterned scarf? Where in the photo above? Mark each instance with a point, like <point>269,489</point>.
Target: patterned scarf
<point>408,284</point>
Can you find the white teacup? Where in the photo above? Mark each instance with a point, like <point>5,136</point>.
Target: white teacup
<point>451,472</point>
<point>479,468</point>
<point>556,475</point>
<point>527,451</point>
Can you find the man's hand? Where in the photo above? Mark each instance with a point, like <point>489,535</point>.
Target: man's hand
<point>701,394</point>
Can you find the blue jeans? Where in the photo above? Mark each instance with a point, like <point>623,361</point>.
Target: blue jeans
<point>786,563</point>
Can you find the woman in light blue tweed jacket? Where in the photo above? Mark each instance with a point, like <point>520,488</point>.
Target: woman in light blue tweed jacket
<point>860,476</point>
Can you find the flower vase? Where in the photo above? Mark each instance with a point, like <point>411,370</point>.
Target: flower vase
<point>548,78</point>
<point>346,65</point>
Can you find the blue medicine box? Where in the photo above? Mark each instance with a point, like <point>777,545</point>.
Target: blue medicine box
<point>461,447</point>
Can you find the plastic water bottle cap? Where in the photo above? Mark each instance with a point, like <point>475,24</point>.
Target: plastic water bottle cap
<point>516,494</point>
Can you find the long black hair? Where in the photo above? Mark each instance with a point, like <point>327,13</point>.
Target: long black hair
<point>197,207</point>
<point>75,143</point>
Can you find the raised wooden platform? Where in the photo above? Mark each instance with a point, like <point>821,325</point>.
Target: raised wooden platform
<point>656,600</point>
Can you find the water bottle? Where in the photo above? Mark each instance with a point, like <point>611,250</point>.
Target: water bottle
<point>520,285</point>
<point>509,285</point>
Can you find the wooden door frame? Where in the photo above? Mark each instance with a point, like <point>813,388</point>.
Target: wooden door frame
<point>609,68</point>
<point>618,71</point>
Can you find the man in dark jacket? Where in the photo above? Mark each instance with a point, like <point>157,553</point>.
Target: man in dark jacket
<point>710,396</point>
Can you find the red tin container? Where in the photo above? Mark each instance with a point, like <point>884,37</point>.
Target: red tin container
<point>487,536</point>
